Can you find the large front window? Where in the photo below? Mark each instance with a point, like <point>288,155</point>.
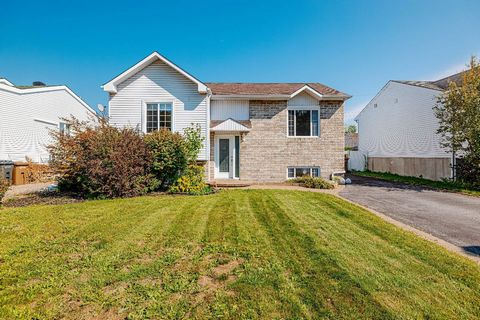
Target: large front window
<point>303,123</point>
<point>159,115</point>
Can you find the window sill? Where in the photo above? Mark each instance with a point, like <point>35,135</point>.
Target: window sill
<point>303,137</point>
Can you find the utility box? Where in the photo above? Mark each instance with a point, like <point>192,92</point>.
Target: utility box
<point>6,170</point>
<point>20,173</point>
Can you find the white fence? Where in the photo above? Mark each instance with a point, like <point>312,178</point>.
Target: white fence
<point>357,160</point>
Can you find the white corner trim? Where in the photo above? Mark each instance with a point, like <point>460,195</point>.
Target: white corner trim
<point>111,86</point>
<point>5,81</point>
<point>47,89</point>
<point>309,90</point>
<point>47,121</point>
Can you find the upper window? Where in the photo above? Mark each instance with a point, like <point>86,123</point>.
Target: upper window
<point>159,115</point>
<point>303,123</point>
<point>64,128</point>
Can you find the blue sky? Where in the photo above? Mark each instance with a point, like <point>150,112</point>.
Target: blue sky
<point>354,46</point>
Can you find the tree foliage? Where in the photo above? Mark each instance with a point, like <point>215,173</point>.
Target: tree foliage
<point>351,128</point>
<point>458,112</point>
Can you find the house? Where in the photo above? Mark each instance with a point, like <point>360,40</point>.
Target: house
<point>398,130</point>
<point>253,131</point>
<point>27,113</point>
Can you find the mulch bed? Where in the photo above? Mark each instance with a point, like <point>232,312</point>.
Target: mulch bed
<point>44,198</point>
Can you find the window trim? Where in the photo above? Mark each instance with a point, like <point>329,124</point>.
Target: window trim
<point>66,128</point>
<point>309,167</point>
<point>144,112</point>
<point>308,108</point>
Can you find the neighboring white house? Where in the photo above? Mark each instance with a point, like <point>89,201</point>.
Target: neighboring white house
<point>252,131</point>
<point>397,130</point>
<point>28,112</point>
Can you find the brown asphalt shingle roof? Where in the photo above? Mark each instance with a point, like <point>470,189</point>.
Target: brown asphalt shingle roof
<point>440,85</point>
<point>220,88</point>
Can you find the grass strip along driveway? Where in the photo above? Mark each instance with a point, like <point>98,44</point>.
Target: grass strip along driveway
<point>414,181</point>
<point>237,254</point>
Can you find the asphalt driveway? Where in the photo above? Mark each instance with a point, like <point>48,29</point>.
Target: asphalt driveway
<point>452,217</point>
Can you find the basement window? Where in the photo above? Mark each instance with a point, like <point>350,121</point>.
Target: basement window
<point>297,172</point>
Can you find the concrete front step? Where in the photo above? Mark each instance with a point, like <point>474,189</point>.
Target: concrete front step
<point>230,183</point>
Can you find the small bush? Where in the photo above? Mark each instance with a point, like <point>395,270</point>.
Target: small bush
<point>192,182</point>
<point>101,161</point>
<point>312,182</point>
<point>4,184</point>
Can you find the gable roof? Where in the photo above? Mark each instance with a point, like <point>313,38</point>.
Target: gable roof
<point>111,86</point>
<point>230,125</point>
<point>8,86</point>
<point>286,90</point>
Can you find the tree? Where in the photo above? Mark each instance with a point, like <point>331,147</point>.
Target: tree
<point>351,128</point>
<point>458,112</point>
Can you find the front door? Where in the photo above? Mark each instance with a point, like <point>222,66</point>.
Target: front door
<point>227,157</point>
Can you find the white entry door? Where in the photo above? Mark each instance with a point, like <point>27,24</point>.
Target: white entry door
<point>226,157</point>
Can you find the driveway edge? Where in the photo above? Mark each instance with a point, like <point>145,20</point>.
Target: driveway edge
<point>427,236</point>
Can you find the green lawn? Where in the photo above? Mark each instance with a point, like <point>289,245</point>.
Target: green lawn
<point>265,254</point>
<point>440,185</point>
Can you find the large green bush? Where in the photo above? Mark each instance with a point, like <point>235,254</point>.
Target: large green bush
<point>169,157</point>
<point>172,153</point>
<point>98,160</point>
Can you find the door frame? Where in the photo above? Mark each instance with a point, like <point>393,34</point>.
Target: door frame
<point>232,152</point>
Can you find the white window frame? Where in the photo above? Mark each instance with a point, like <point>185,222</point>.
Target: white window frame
<point>303,167</point>
<point>306,108</point>
<point>144,112</point>
<point>66,127</point>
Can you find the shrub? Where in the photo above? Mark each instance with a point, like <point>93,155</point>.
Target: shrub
<point>193,142</point>
<point>98,160</point>
<point>312,182</point>
<point>169,155</point>
<point>172,153</point>
<point>192,182</point>
<point>4,184</point>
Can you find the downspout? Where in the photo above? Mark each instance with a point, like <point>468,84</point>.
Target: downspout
<point>209,95</point>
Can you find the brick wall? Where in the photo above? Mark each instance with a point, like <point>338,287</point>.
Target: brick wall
<point>266,151</point>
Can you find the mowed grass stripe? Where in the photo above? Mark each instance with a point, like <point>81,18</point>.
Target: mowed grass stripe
<point>327,288</point>
<point>391,270</point>
<point>294,254</point>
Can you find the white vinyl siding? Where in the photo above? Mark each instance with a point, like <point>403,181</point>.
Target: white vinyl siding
<point>402,124</point>
<point>159,83</point>
<point>26,120</point>
<point>303,100</point>
<point>234,109</point>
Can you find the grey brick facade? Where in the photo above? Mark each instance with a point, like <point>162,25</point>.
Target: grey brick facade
<point>266,151</point>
